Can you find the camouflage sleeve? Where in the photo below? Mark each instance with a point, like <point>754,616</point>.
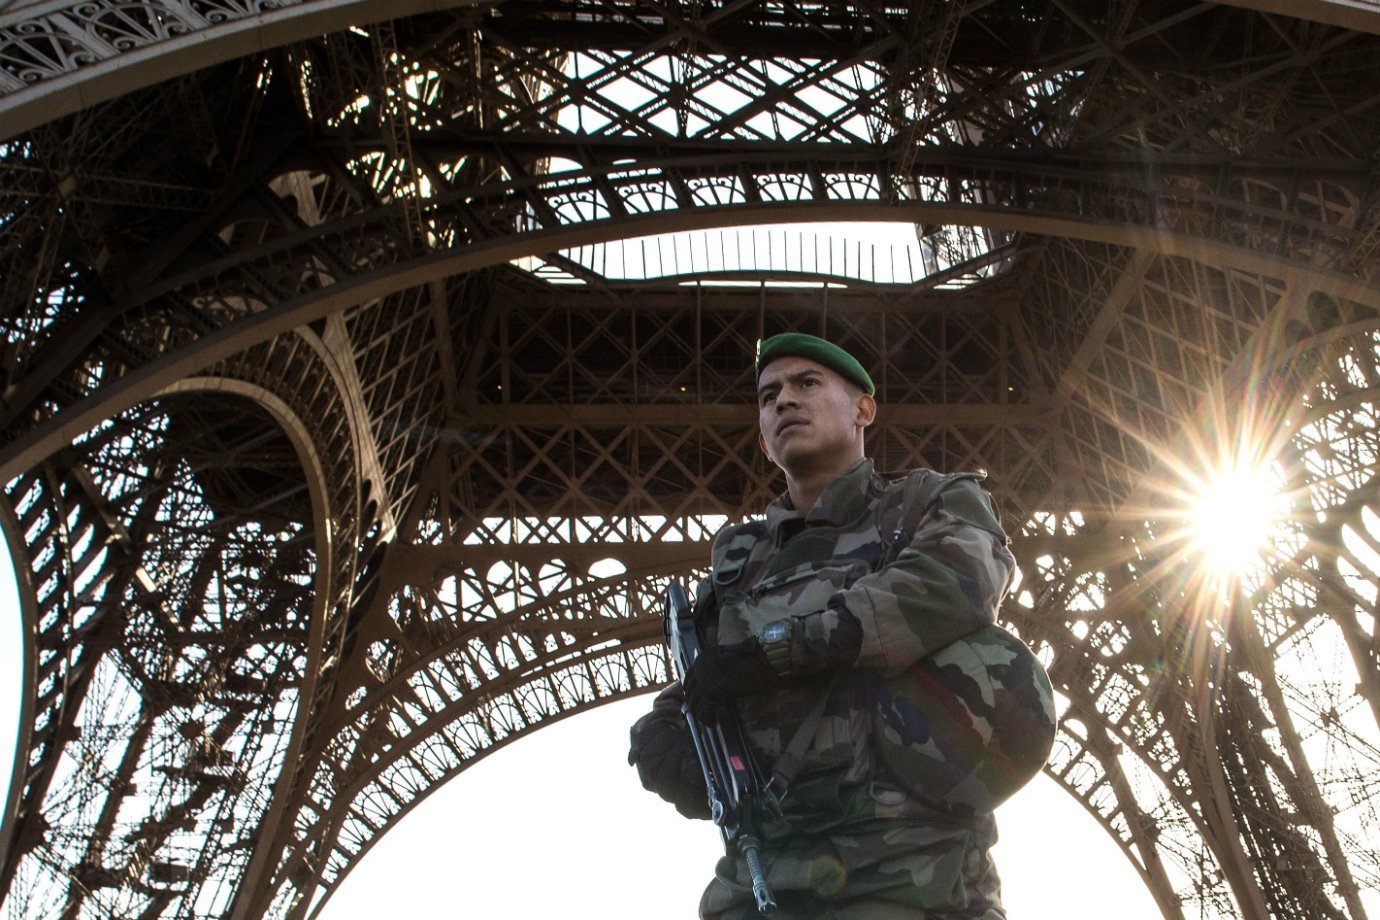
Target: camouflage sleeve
<point>945,583</point>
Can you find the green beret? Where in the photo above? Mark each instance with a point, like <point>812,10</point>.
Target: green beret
<point>800,345</point>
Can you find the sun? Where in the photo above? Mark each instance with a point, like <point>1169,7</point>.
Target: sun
<point>1234,517</point>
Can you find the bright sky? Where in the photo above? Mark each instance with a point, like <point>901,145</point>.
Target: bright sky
<point>557,825</point>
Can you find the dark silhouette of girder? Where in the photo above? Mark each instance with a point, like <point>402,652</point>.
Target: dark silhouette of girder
<point>342,446</point>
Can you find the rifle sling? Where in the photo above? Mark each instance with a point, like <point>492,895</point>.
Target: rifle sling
<point>787,766</point>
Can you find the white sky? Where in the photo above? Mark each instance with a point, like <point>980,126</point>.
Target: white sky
<point>557,826</point>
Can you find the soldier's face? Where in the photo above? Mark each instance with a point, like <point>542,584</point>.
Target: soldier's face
<point>809,417</point>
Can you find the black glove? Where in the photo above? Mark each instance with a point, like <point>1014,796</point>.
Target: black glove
<point>725,672</point>
<point>826,641</point>
<point>664,754</point>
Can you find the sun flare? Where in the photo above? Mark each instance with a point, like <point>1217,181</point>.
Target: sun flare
<point>1234,516</point>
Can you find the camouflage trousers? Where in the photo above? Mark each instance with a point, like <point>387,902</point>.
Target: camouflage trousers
<point>874,853</point>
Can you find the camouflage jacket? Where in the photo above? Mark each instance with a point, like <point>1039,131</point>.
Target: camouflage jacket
<point>916,579</point>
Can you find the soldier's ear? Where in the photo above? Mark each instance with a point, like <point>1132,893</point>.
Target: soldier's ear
<point>762,443</point>
<point>866,411</point>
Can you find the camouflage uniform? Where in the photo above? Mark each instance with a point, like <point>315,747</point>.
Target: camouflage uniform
<point>932,675</point>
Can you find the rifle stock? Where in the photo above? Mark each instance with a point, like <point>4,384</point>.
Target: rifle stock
<point>736,785</point>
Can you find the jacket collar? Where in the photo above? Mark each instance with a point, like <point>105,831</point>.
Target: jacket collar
<point>842,501</point>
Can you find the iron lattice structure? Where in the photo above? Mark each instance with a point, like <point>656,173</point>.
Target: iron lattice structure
<point>366,380</point>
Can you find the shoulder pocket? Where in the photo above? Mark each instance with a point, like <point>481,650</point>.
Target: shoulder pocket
<point>732,549</point>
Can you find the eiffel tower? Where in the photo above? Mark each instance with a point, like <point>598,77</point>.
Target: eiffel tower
<point>366,380</point>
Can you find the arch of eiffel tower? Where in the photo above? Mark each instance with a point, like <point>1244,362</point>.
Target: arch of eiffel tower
<point>369,370</point>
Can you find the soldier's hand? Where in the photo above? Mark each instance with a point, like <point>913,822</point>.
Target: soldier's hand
<point>725,672</point>
<point>825,641</point>
<point>664,754</point>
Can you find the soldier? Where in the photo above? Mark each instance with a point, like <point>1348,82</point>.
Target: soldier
<point>853,630</point>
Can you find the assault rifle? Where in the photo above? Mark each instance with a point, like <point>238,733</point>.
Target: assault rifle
<point>736,786</point>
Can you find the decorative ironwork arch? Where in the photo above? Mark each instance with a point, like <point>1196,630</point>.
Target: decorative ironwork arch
<point>1138,228</point>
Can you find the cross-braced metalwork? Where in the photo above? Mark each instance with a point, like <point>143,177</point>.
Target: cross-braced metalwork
<point>365,380</point>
